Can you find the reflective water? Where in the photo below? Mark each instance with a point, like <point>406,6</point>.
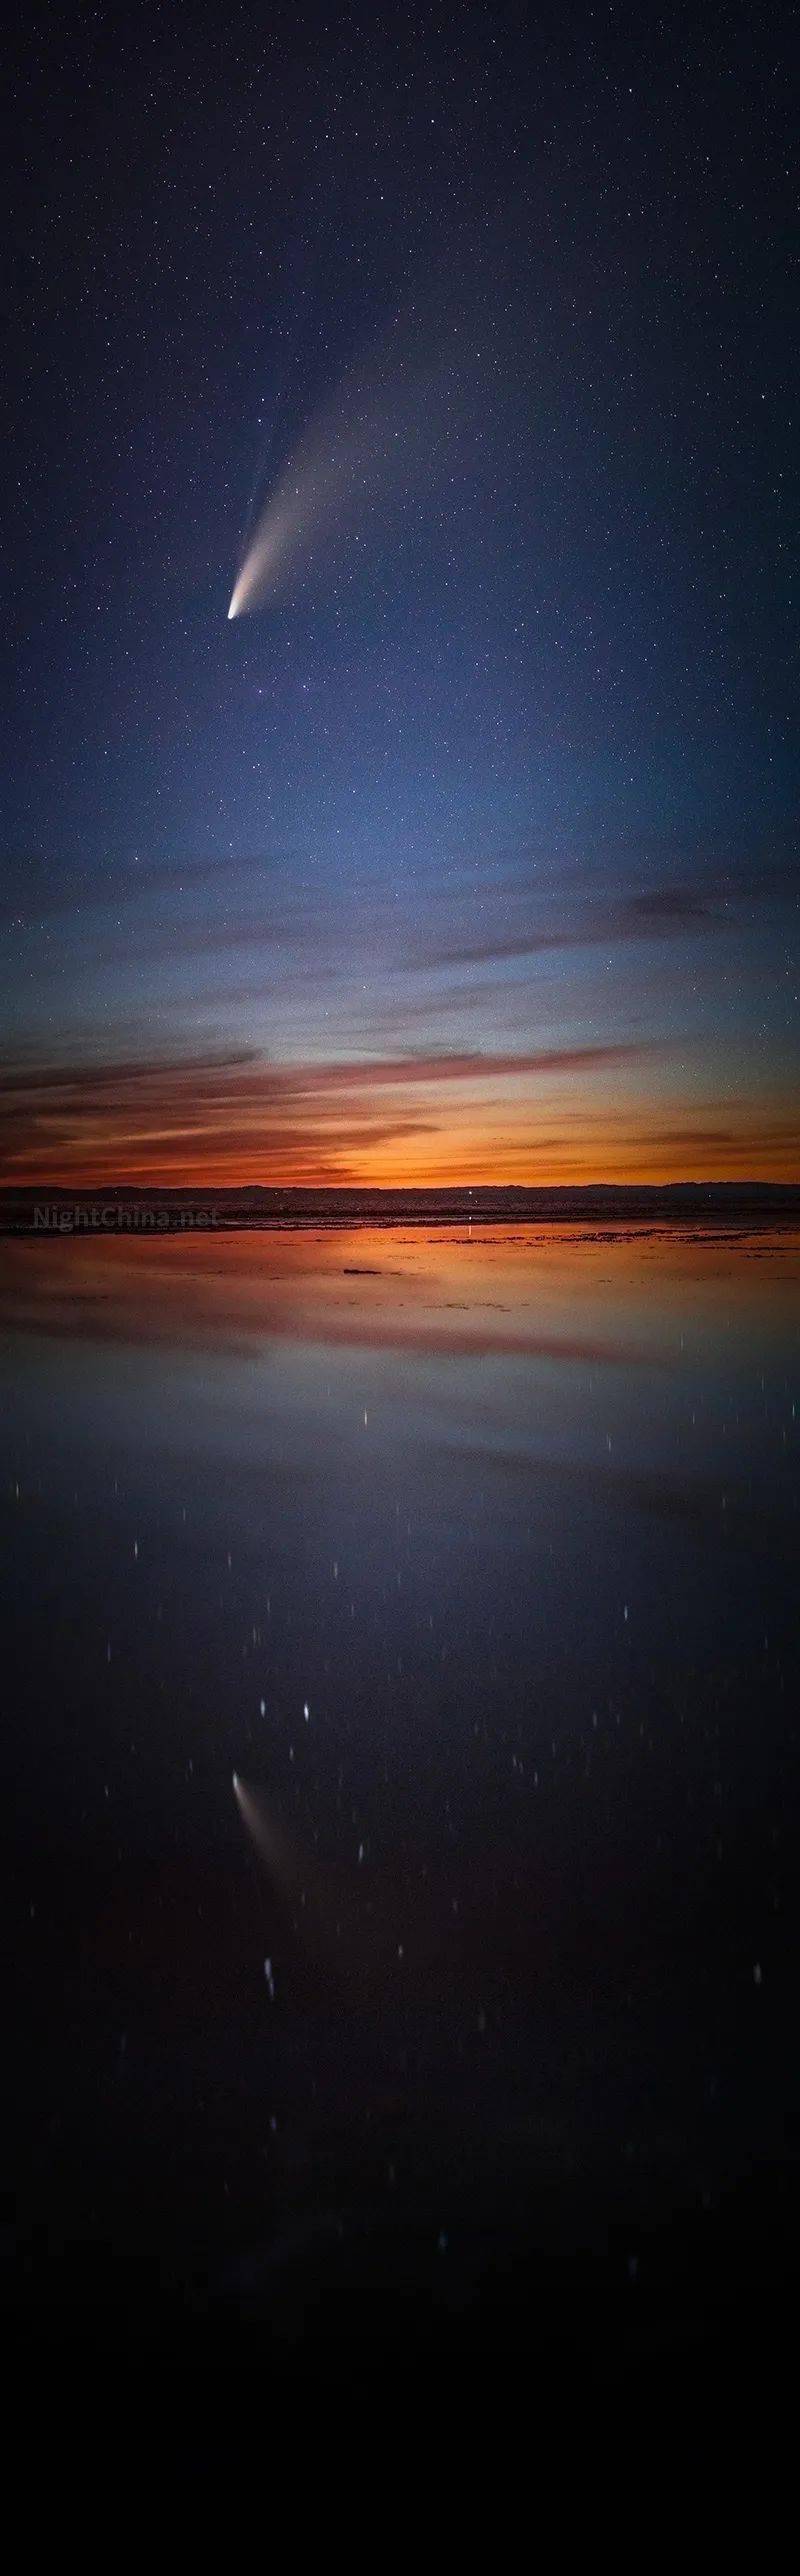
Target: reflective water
<point>474,1558</point>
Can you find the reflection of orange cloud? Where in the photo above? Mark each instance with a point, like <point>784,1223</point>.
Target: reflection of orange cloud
<point>558,1294</point>
<point>561,1114</point>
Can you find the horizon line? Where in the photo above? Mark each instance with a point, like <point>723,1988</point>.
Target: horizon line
<point>155,1188</point>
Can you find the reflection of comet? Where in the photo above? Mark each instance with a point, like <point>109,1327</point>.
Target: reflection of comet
<point>373,1937</point>
<point>330,1909</point>
<point>296,1886</point>
<point>391,433</point>
<point>269,1843</point>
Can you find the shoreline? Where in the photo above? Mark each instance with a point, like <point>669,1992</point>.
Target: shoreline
<point>116,1210</point>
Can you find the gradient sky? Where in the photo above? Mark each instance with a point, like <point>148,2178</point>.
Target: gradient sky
<point>467,852</point>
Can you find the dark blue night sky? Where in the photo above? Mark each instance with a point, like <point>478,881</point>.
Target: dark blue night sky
<point>462,343</point>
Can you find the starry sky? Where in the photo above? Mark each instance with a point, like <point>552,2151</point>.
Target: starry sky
<point>452,351</point>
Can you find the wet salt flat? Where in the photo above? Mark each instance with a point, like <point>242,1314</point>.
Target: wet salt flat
<point>400,1749</point>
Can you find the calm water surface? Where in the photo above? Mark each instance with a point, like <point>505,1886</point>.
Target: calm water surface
<point>473,1557</point>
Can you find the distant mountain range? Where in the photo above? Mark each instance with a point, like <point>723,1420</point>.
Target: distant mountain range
<point>54,1207</point>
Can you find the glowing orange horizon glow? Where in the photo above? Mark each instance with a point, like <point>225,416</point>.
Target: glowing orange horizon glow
<point>566,1116</point>
<point>441,1164</point>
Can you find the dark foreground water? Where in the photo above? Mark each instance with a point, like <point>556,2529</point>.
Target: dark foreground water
<point>474,2013</point>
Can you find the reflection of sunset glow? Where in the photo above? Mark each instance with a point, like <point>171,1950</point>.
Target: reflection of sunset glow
<point>569,1296</point>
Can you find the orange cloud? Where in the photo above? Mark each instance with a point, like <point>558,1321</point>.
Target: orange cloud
<point>547,1115</point>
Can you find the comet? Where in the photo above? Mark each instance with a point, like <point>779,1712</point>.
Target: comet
<point>393,432</point>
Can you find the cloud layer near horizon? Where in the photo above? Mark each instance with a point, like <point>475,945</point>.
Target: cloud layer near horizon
<point>423,1116</point>
<point>521,1016</point>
